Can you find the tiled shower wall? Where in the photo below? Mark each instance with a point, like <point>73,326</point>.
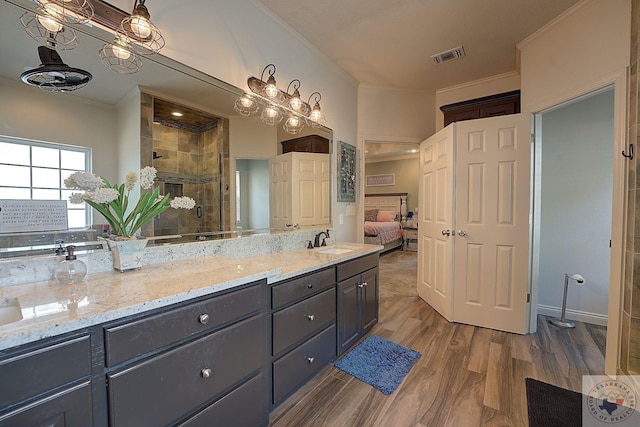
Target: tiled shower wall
<point>630,339</point>
<point>190,163</point>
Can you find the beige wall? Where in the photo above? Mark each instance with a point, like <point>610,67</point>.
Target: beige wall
<point>29,112</point>
<point>407,175</point>
<point>586,44</point>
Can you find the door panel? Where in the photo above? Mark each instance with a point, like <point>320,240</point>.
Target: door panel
<point>435,215</point>
<point>492,206</point>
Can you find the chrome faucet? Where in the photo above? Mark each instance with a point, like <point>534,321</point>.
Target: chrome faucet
<point>316,242</point>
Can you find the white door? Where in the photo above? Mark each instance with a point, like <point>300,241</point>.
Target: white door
<point>487,256</point>
<point>492,222</point>
<point>435,216</point>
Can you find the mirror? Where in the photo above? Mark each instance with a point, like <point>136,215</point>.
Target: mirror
<point>123,120</point>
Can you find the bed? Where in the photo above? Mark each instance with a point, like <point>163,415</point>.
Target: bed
<point>382,215</point>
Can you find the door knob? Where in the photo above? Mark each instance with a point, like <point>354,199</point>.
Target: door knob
<point>446,232</point>
<point>462,233</point>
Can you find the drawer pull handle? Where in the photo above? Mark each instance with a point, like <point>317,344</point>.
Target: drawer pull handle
<point>310,317</point>
<point>310,360</point>
<point>203,318</point>
<point>205,373</point>
<point>365,284</point>
<point>310,286</point>
<point>361,285</point>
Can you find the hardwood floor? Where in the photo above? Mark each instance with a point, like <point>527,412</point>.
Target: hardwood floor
<point>467,376</point>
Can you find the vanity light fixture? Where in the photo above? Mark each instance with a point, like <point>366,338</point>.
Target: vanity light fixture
<point>67,11</point>
<point>48,31</point>
<point>246,106</point>
<point>120,57</point>
<point>316,115</point>
<point>145,38</point>
<point>277,103</point>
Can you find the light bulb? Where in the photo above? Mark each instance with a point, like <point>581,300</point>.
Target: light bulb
<point>140,27</point>
<point>295,103</point>
<point>246,102</point>
<point>271,90</point>
<point>49,23</point>
<point>293,121</point>
<point>120,52</point>
<point>271,112</point>
<point>316,114</point>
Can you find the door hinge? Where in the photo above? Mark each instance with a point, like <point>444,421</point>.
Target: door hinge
<point>533,138</point>
<point>528,297</point>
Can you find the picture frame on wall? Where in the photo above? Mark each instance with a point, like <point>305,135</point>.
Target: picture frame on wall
<point>346,172</point>
<point>381,180</point>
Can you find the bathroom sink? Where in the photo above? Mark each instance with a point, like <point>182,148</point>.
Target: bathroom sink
<point>334,251</point>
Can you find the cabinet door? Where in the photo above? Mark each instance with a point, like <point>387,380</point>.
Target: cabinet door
<point>348,315</point>
<point>369,300</point>
<point>66,409</point>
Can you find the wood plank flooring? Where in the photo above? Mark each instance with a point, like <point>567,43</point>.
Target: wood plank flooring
<point>467,376</point>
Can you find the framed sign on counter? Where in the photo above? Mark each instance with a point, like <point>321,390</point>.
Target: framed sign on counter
<point>346,172</point>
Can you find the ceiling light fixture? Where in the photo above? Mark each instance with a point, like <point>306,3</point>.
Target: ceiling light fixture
<point>145,38</point>
<point>55,76</point>
<point>277,103</point>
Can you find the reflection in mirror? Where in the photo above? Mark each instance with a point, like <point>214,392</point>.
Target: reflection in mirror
<point>123,120</point>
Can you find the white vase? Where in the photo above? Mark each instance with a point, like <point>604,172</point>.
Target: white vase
<point>127,254</point>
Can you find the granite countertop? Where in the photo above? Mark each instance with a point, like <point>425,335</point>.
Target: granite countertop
<point>32,311</point>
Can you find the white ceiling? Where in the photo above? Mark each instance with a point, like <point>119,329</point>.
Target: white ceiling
<point>389,43</point>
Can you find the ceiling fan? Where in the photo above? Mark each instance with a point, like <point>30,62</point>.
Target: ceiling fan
<point>54,75</point>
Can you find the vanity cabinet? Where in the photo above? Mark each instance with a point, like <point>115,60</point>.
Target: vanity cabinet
<point>195,364</point>
<point>357,299</point>
<point>303,314</point>
<point>47,384</point>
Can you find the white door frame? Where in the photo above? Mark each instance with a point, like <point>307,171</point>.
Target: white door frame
<point>618,80</point>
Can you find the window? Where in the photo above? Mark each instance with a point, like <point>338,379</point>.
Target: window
<point>34,170</point>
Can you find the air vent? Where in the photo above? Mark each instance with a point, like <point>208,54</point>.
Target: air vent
<point>448,55</point>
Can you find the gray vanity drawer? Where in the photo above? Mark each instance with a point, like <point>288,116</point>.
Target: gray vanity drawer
<point>356,266</point>
<point>301,287</point>
<point>44,369</point>
<point>303,319</point>
<point>142,336</point>
<point>160,390</point>
<point>292,370</point>
<point>66,409</point>
<point>243,407</point>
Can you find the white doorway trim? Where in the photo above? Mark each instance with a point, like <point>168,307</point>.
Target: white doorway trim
<point>618,219</point>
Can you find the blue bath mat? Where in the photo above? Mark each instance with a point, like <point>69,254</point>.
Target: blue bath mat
<point>380,363</point>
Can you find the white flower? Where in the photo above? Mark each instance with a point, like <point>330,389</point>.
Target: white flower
<point>130,180</point>
<point>102,195</point>
<point>183,203</point>
<point>147,175</point>
<point>83,181</point>
<point>76,198</point>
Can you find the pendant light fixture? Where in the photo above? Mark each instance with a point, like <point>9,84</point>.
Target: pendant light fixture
<point>145,38</point>
<point>120,57</point>
<point>48,31</point>
<point>246,106</point>
<point>67,11</point>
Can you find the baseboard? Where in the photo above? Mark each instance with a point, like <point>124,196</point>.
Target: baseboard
<point>580,316</point>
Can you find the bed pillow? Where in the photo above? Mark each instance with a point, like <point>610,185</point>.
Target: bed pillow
<point>386,216</point>
<point>370,214</point>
